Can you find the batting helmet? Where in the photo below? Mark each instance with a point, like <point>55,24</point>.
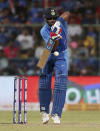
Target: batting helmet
<point>50,13</point>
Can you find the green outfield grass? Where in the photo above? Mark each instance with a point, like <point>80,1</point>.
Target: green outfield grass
<point>70,121</point>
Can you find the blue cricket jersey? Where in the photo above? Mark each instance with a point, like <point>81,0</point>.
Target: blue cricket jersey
<point>45,33</point>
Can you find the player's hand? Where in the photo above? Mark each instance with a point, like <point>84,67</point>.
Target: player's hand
<point>56,31</point>
<point>55,36</point>
<point>56,27</point>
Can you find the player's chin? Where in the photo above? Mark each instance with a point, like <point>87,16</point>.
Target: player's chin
<point>51,23</point>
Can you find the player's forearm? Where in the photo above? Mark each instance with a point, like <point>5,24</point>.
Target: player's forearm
<point>55,45</point>
<point>65,15</point>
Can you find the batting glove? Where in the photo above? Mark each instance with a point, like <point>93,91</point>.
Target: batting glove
<point>55,36</point>
<point>56,31</point>
<point>56,27</point>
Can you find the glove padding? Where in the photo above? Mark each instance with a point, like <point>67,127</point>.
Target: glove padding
<point>55,36</point>
<point>56,27</point>
<point>56,31</point>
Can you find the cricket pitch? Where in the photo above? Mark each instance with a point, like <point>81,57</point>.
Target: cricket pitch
<point>70,121</point>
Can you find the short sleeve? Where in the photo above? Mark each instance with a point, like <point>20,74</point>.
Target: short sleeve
<point>64,23</point>
<point>45,34</point>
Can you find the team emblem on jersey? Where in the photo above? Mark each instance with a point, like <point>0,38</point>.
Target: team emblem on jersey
<point>52,12</point>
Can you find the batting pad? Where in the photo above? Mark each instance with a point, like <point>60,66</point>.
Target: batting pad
<point>59,94</point>
<point>45,92</point>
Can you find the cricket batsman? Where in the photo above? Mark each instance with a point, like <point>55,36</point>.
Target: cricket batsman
<point>54,31</point>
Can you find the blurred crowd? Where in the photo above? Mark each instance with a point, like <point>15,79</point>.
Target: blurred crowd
<point>21,44</point>
<point>31,11</point>
<point>84,50</point>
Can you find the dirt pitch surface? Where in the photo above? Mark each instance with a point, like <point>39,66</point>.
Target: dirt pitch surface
<point>70,121</point>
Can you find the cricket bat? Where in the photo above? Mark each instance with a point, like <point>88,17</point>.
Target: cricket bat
<point>46,52</point>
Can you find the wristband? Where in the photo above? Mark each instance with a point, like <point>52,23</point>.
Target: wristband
<point>50,44</point>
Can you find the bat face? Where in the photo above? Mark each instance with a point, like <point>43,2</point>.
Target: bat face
<point>43,58</point>
<point>46,52</point>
